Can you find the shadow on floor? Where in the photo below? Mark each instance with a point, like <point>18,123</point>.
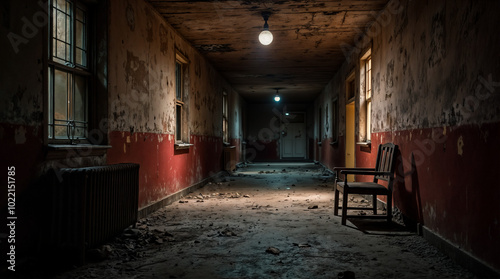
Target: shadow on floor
<point>379,227</point>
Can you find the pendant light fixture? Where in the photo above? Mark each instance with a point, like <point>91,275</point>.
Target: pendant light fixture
<point>266,37</point>
<point>277,96</point>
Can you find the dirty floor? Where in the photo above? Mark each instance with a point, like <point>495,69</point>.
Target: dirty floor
<point>266,220</point>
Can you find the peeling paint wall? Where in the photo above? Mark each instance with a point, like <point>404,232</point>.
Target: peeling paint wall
<point>237,123</point>
<point>142,103</point>
<point>21,92</point>
<point>135,108</point>
<point>446,51</point>
<point>142,72</point>
<point>436,93</point>
<point>330,152</point>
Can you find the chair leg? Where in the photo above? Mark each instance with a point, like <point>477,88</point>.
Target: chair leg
<point>374,204</point>
<point>389,208</point>
<point>344,207</point>
<point>336,201</point>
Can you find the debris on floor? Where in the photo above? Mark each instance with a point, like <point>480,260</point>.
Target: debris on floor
<point>273,250</point>
<point>99,254</point>
<point>227,232</point>
<point>226,235</point>
<point>303,245</point>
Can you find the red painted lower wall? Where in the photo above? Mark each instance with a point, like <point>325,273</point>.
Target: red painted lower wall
<point>447,180</point>
<point>164,170</point>
<point>333,154</point>
<point>237,144</point>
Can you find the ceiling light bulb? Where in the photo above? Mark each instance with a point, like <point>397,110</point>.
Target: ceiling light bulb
<point>277,98</point>
<point>265,37</point>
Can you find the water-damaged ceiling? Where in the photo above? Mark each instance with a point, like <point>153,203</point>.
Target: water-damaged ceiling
<point>302,59</point>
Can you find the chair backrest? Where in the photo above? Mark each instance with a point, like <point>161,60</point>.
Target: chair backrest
<point>386,161</point>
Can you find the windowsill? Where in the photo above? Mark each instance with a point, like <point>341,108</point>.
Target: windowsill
<point>320,143</point>
<point>182,145</point>
<point>61,151</point>
<point>226,144</point>
<point>334,143</point>
<point>364,143</point>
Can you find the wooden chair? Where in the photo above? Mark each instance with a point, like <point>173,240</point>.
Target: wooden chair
<point>384,170</point>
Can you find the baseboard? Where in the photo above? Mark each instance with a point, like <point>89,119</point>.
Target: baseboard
<point>145,211</point>
<point>473,264</point>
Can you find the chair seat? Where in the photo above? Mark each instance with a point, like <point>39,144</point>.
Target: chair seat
<point>364,188</point>
<point>384,170</point>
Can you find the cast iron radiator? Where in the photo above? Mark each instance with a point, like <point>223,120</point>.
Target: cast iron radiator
<point>91,205</point>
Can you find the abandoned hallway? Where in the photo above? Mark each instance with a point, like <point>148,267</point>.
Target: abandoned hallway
<point>115,115</point>
<point>224,230</point>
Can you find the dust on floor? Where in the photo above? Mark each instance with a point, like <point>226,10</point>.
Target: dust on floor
<point>265,221</point>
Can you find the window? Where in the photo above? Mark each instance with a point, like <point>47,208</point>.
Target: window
<point>68,72</point>
<point>335,120</point>
<point>181,129</point>
<point>366,85</point>
<point>225,130</point>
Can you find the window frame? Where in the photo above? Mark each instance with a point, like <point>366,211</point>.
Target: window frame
<point>73,71</point>
<point>350,94</point>
<point>181,105</point>
<point>366,96</point>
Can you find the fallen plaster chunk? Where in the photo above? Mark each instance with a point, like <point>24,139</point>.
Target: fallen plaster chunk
<point>273,250</point>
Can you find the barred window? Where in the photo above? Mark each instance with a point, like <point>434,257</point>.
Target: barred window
<point>68,71</point>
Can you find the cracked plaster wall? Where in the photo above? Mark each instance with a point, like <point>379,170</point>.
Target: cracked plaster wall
<point>21,95</point>
<point>142,72</point>
<point>142,102</point>
<point>436,93</point>
<point>437,65</point>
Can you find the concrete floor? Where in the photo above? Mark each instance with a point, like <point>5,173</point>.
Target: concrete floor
<point>224,230</point>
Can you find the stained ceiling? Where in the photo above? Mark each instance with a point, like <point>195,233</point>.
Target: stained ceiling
<point>303,57</point>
